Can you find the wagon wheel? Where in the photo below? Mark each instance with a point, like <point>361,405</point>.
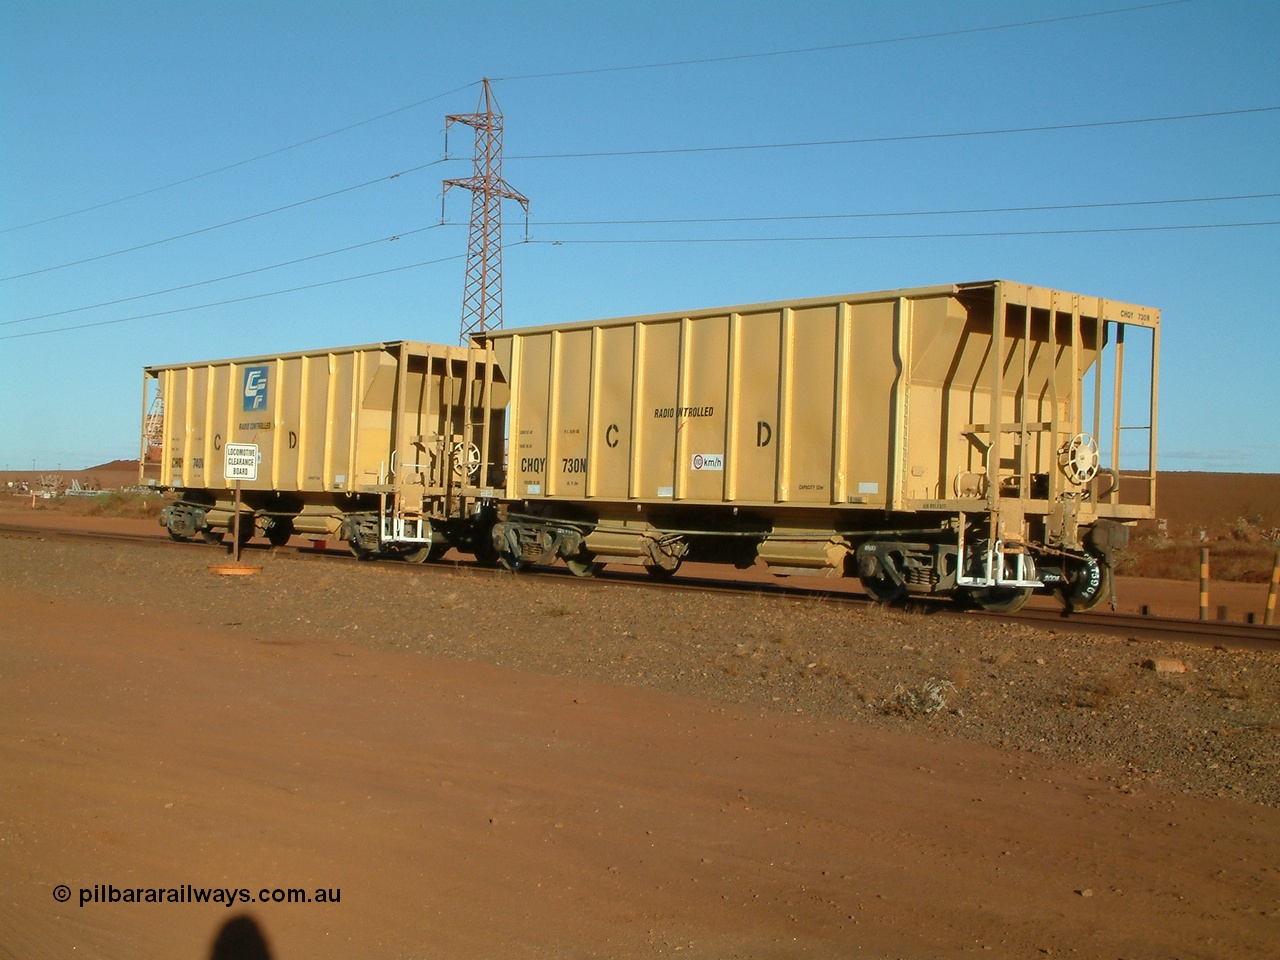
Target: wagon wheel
<point>511,562</point>
<point>482,546</point>
<point>998,599</point>
<point>246,527</point>
<point>883,590</point>
<point>213,537</point>
<point>427,554</point>
<point>1088,582</point>
<point>180,526</point>
<point>662,573</point>
<point>280,531</point>
<point>665,557</point>
<point>584,565</point>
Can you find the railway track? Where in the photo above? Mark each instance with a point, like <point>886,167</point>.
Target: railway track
<point>1232,635</point>
<point>1248,636</point>
<point>1241,636</point>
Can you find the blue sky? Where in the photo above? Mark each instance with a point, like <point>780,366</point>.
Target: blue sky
<point>108,100</point>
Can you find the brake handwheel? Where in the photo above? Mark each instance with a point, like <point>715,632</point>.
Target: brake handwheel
<point>1078,458</point>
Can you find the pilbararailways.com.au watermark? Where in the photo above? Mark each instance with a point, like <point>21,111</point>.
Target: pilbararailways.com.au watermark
<point>187,893</point>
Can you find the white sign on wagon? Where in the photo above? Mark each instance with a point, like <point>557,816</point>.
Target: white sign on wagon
<point>242,461</point>
<point>708,461</point>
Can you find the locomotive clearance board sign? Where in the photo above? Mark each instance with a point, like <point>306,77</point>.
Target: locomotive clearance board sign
<point>242,461</point>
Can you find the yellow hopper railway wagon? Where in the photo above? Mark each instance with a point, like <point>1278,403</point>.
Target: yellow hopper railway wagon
<point>979,440</point>
<point>396,448</point>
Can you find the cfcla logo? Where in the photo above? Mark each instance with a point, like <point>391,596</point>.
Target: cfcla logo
<point>255,388</point>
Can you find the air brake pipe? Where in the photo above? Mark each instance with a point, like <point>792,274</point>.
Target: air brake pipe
<point>666,532</point>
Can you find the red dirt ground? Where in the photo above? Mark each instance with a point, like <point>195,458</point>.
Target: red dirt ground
<point>466,809</point>
<point>472,811</point>
<point>469,810</point>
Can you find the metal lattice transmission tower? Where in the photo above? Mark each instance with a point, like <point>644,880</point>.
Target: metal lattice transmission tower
<point>482,294</point>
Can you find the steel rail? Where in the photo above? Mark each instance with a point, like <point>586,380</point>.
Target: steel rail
<point>1233,635</point>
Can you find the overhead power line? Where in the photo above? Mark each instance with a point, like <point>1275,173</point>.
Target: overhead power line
<point>234,300</point>
<point>238,163</point>
<point>659,222</point>
<point>910,236</point>
<point>654,152</point>
<point>655,222</point>
<point>826,239</point>
<point>219,226</point>
<point>675,221</point>
<point>229,276</point>
<point>1002,131</point>
<point>904,213</point>
<point>566,73</point>
<point>841,46</point>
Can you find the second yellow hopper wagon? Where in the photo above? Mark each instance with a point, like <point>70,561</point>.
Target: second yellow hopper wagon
<point>393,447</point>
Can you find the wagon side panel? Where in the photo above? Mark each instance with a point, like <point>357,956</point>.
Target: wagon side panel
<point>752,426</point>
<point>806,395</point>
<point>865,411</point>
<point>612,428</point>
<point>530,372</point>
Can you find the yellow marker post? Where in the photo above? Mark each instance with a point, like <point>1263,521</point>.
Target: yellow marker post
<point>1204,583</point>
<point>1269,617</point>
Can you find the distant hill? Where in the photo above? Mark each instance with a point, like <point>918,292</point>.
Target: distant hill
<point>1213,501</point>
<point>114,466</point>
